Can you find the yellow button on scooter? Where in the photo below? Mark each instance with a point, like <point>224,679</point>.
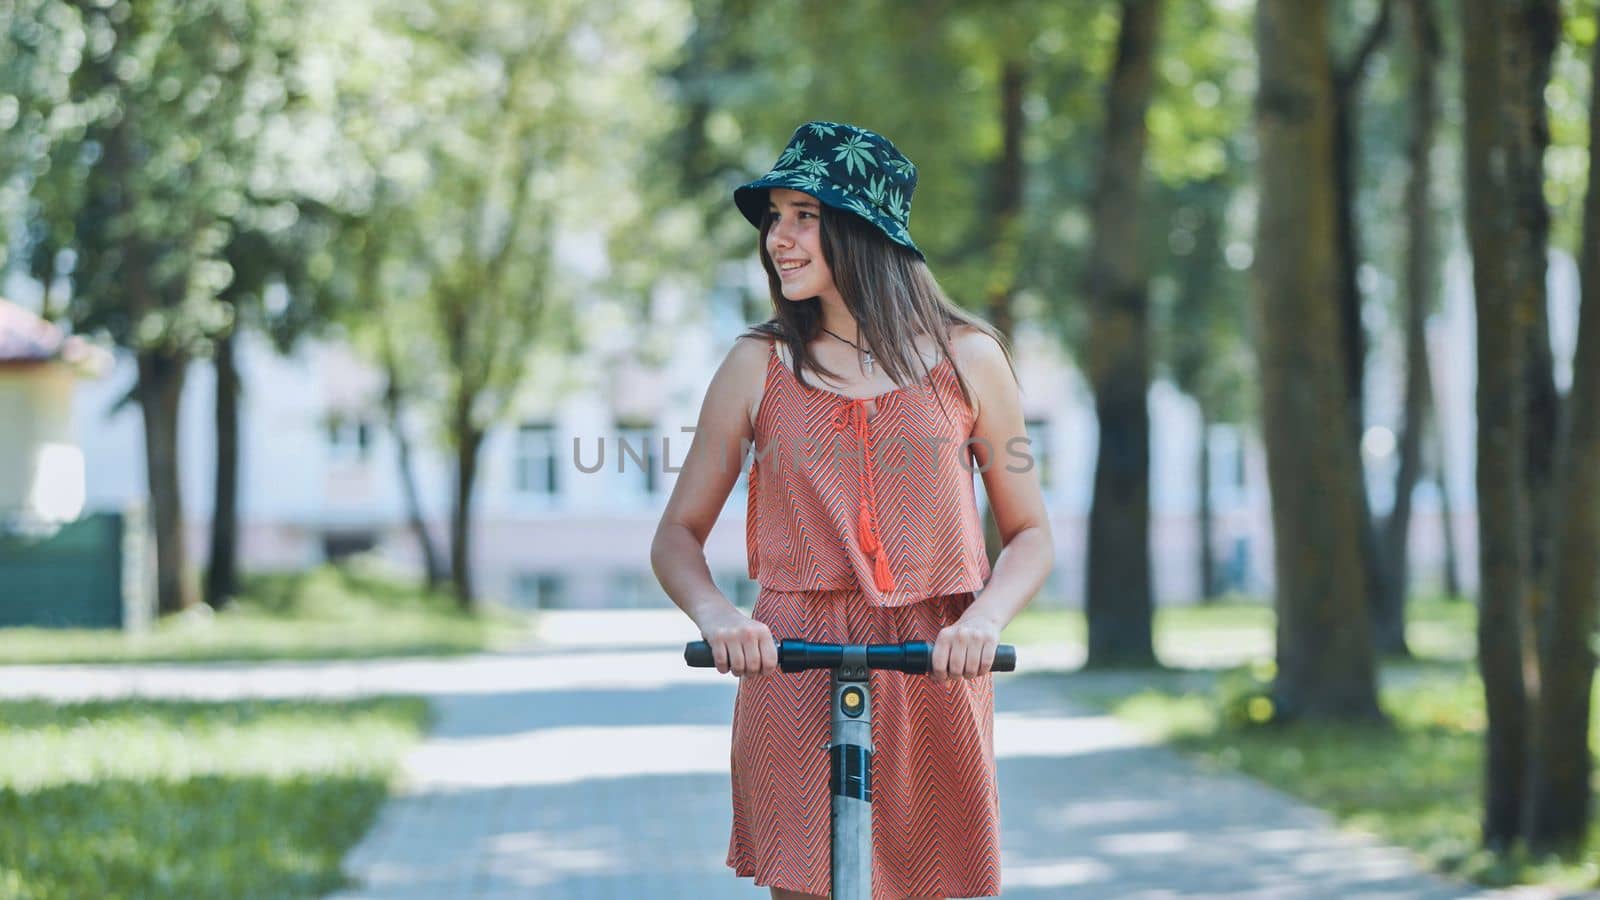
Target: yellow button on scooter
<point>852,700</point>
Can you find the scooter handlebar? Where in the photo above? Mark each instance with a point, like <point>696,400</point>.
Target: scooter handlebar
<point>911,657</point>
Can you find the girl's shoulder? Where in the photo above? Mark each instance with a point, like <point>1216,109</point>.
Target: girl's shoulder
<point>982,362</point>
<point>969,343</point>
<point>747,363</point>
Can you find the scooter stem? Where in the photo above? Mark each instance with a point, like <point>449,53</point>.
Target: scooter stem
<point>850,762</point>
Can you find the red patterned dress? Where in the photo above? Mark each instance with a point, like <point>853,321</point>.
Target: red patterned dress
<point>862,527</point>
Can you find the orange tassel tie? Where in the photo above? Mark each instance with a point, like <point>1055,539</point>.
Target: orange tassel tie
<point>867,518</point>
<point>869,534</point>
<point>881,576</point>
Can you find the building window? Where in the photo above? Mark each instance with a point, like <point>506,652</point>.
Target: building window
<point>339,545</point>
<point>736,585</point>
<point>536,460</point>
<point>635,590</point>
<point>349,439</point>
<point>539,590</point>
<point>1038,447</point>
<point>1228,473</point>
<point>637,459</point>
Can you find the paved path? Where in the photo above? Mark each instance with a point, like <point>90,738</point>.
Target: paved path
<point>594,766</point>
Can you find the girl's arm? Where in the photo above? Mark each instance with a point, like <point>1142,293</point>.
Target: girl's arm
<point>966,648</point>
<point>677,554</point>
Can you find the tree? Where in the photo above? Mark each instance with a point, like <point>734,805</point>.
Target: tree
<point>1392,562</point>
<point>381,293</point>
<point>1533,29</point>
<point>394,312</point>
<point>1199,296</point>
<point>488,264</point>
<point>1502,503</point>
<point>272,239</point>
<point>41,37</point>
<point>1205,345</point>
<point>1120,606</point>
<point>146,214</point>
<point>511,135</point>
<point>1559,784</point>
<point>1348,81</point>
<point>1324,640</point>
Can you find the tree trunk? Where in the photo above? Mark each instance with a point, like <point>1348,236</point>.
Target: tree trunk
<point>44,271</point>
<point>1395,558</point>
<point>1324,635</point>
<point>394,400</point>
<point>1007,199</point>
<point>1528,44</point>
<point>159,390</point>
<point>1502,508</point>
<point>222,570</point>
<point>468,440</point>
<point>1119,605</point>
<point>1006,225</point>
<point>1447,508</point>
<point>393,405</point>
<point>1447,527</point>
<point>1347,84</point>
<point>1208,554</point>
<point>1559,786</point>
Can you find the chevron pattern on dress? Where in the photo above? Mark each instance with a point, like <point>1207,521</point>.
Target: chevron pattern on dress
<point>809,495</point>
<point>935,807</point>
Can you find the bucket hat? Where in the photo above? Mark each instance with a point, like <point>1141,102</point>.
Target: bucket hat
<point>846,167</point>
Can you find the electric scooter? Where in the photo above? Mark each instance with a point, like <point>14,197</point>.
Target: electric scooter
<point>850,751</point>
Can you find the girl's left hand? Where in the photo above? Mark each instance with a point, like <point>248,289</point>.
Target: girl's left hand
<point>965,649</point>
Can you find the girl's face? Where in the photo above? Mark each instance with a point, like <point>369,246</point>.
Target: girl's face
<point>794,242</point>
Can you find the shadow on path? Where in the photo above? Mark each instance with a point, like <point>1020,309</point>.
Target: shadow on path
<point>580,791</point>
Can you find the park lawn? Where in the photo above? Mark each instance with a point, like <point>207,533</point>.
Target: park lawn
<point>331,612</point>
<point>1240,627</point>
<point>1416,784</point>
<point>148,798</point>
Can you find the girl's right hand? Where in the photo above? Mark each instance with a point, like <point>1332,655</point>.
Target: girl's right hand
<point>740,644</point>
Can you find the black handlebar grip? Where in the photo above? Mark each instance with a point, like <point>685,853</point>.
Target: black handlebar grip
<point>919,656</point>
<point>1005,659</point>
<point>698,655</point>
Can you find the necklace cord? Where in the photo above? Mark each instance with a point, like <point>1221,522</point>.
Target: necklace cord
<point>847,341</point>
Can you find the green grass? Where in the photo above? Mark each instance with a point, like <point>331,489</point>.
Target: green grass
<point>1415,782</point>
<point>325,613</point>
<point>157,799</point>
<point>1435,628</point>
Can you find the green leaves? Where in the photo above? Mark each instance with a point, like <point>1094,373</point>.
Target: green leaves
<point>812,165</point>
<point>147,142</point>
<point>856,154</point>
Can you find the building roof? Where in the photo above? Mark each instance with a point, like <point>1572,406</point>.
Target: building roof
<point>26,339</point>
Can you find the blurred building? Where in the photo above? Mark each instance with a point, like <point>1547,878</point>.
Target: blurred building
<point>58,566</point>
<point>320,478</point>
<point>41,466</point>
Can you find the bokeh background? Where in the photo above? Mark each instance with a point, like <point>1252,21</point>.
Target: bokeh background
<point>371,328</point>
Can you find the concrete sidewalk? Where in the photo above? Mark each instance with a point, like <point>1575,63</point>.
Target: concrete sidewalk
<point>594,765</point>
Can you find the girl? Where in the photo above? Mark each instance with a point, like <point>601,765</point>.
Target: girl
<point>864,397</point>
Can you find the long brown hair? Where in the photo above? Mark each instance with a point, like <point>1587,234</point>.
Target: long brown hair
<point>889,290</point>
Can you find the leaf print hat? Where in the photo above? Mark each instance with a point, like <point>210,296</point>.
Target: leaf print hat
<point>847,168</point>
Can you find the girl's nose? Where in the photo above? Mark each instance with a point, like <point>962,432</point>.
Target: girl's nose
<point>779,233</point>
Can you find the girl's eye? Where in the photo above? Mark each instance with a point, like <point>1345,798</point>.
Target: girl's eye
<point>773,215</point>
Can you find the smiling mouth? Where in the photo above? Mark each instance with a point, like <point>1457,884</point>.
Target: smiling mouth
<point>790,268</point>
